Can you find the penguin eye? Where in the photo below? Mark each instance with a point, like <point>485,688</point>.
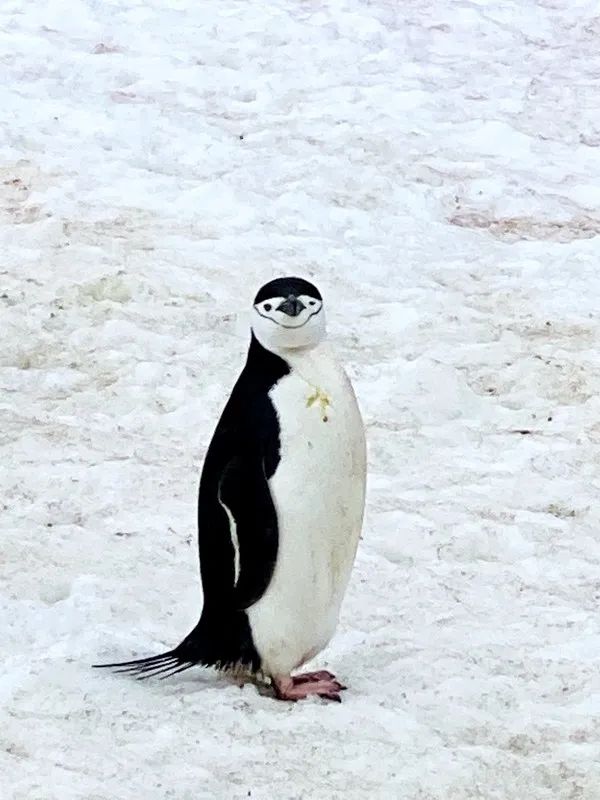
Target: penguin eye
<point>312,302</point>
<point>267,306</point>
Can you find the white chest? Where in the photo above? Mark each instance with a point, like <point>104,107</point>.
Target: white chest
<point>318,491</point>
<point>322,446</point>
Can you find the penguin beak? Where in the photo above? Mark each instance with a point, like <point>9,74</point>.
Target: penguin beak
<point>291,306</point>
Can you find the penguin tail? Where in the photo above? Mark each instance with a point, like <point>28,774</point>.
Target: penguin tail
<point>185,655</point>
<point>166,664</point>
<point>223,641</point>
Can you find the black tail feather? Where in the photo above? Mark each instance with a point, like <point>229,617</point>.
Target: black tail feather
<point>191,651</point>
<point>146,664</point>
<point>222,644</point>
<point>174,671</point>
<point>149,670</point>
<point>124,666</point>
<point>163,669</point>
<point>142,668</point>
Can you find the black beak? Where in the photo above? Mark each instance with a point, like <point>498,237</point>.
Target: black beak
<point>291,306</point>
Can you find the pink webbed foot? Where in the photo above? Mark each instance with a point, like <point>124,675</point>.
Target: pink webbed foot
<point>320,675</point>
<point>303,686</point>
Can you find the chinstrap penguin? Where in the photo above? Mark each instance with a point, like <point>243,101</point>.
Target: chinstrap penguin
<point>280,505</point>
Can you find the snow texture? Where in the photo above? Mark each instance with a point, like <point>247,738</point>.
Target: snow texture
<point>435,167</point>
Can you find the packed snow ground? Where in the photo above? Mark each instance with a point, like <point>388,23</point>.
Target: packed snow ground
<point>435,168</point>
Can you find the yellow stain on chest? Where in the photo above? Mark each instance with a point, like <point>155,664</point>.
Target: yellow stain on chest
<point>321,400</point>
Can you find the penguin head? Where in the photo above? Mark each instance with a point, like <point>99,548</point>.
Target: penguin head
<point>288,314</point>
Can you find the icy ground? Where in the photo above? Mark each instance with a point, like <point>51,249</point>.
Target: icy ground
<point>435,167</point>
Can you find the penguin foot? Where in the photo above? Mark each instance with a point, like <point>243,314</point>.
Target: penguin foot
<point>293,689</point>
<point>309,677</point>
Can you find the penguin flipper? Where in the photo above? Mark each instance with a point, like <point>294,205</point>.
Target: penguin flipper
<point>244,491</point>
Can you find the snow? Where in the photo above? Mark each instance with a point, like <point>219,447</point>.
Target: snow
<point>433,166</point>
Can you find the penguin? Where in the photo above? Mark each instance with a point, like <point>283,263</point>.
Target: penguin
<point>280,506</point>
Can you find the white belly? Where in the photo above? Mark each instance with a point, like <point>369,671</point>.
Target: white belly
<point>318,490</point>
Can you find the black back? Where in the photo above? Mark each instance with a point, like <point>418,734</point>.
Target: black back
<point>243,454</point>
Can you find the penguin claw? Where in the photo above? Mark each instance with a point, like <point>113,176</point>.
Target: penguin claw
<point>331,696</point>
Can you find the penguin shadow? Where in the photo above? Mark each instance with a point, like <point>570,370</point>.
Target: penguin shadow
<point>203,680</point>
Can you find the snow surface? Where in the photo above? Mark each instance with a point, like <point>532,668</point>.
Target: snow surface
<point>435,167</point>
